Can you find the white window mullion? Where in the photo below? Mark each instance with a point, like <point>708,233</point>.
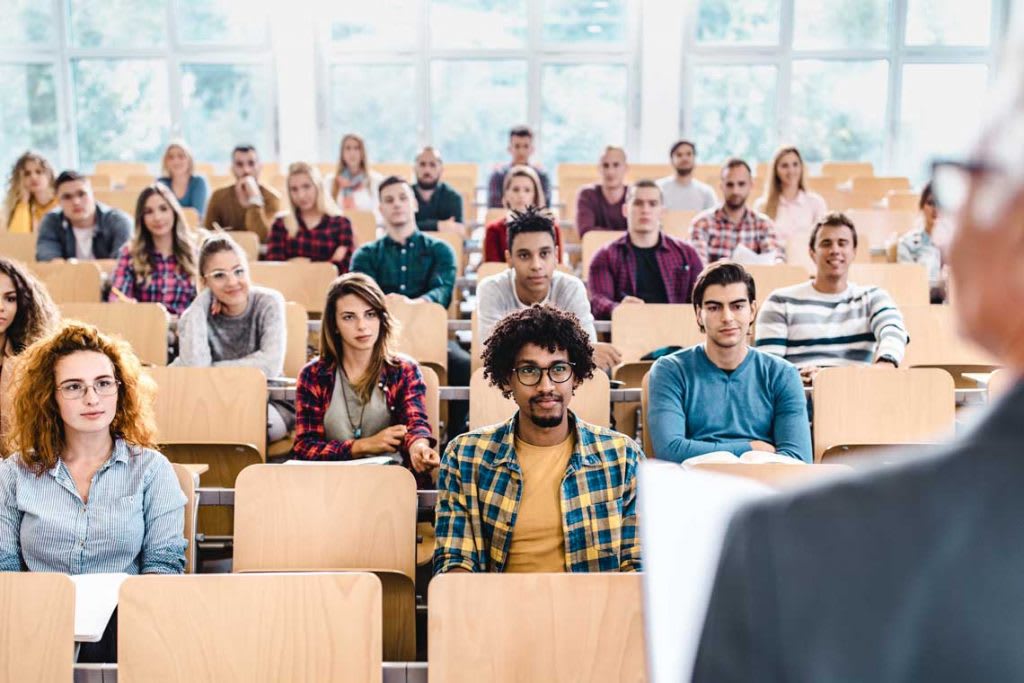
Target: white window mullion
<point>64,84</point>
<point>897,33</point>
<point>783,129</point>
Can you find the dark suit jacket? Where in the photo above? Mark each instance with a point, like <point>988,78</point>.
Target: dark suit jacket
<point>912,574</point>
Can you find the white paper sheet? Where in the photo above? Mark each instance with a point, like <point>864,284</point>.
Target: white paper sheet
<point>95,600</point>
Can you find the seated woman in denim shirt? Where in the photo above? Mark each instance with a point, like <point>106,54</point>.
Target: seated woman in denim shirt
<point>85,492</point>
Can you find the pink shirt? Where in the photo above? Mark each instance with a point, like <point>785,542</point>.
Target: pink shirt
<point>795,216</point>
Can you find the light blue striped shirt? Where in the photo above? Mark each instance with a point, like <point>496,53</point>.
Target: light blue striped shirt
<point>133,522</point>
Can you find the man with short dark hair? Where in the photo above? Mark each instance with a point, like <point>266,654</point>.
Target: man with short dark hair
<point>681,190</point>
<point>830,321</point>
<point>599,206</point>
<point>645,265</point>
<point>717,232</point>
<point>520,146</point>
<point>82,228</point>
<point>533,278</point>
<point>438,206</point>
<point>543,491</point>
<point>247,204</point>
<point>723,395</point>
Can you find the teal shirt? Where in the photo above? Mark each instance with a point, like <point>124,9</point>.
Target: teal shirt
<point>422,267</point>
<point>697,408</point>
<point>445,203</point>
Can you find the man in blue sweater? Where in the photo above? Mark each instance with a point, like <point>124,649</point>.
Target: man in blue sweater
<point>724,395</point>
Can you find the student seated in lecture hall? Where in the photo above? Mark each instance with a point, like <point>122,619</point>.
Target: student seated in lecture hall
<point>247,204</point>
<point>354,185</point>
<point>178,167</point>
<point>532,278</point>
<point>522,189</point>
<point>232,322</point>
<point>922,245</point>
<point>600,206</point>
<point>717,232</point>
<point>829,320</point>
<point>26,314</point>
<point>31,194</point>
<point>83,228</point>
<point>313,227</point>
<point>543,491</point>
<point>786,201</point>
<point>644,265</point>
<point>360,398</point>
<point>681,190</point>
<point>158,265</point>
<point>722,395</point>
<point>85,491</point>
<point>520,146</point>
<point>438,205</point>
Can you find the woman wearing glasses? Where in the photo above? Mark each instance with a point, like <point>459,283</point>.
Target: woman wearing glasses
<point>921,245</point>
<point>360,398</point>
<point>232,322</point>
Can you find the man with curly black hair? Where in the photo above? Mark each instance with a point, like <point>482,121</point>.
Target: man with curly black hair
<point>544,491</point>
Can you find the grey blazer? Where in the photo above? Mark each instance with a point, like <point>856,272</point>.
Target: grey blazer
<point>57,240</point>
<point>915,573</point>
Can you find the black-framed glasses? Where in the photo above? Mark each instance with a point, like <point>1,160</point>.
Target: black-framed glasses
<point>530,375</point>
<point>75,390</point>
<point>951,179</point>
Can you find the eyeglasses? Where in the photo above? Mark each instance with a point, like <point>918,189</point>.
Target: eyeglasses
<point>530,375</point>
<point>76,390</point>
<point>951,180</point>
<point>220,276</point>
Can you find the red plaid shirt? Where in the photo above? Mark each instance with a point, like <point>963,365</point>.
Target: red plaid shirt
<point>316,245</point>
<point>613,273</point>
<point>404,394</point>
<point>167,284</point>
<point>714,236</point>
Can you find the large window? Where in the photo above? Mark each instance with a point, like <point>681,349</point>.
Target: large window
<point>124,76</point>
<point>476,68</point>
<point>893,82</point>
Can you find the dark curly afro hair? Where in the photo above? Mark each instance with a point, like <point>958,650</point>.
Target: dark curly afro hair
<point>543,326</point>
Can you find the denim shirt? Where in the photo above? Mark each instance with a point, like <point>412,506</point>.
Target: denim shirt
<point>133,522</point>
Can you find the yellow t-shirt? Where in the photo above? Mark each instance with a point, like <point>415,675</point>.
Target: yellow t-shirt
<point>538,539</point>
<point>26,217</point>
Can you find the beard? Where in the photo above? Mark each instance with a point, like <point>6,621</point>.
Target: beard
<point>546,421</point>
<point>427,185</point>
<point>736,205</point>
<point>683,172</point>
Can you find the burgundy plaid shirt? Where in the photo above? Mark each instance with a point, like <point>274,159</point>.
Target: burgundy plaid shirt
<point>316,245</point>
<point>167,284</point>
<point>714,236</point>
<point>613,273</point>
<point>404,394</point>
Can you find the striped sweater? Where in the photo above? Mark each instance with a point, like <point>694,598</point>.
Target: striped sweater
<point>810,328</point>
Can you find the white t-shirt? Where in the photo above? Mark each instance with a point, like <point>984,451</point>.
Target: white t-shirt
<point>83,243</point>
<point>696,196</point>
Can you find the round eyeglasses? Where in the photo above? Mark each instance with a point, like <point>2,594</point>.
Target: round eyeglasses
<point>530,375</point>
<point>76,390</point>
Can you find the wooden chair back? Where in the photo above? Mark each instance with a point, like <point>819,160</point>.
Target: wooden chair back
<point>646,172</point>
<point>903,200</point>
<point>402,169</point>
<point>423,332</point>
<point>260,628</point>
<point>191,217</point>
<point>432,399</point>
<point>39,627</point>
<point>204,168</point>
<point>70,282</point>
<point>249,242</point>
<point>876,227</point>
<point>297,338</point>
<point>999,383</point>
<point>819,184</point>
<point>868,405</point>
<point>845,170</point>
<point>144,326</point>
<point>638,329</point>
<point>906,283</point>
<point>935,342</point>
<point>677,223</point>
<point>768,278</point>
<point>136,182</point>
<point>19,246</point>
<point>100,181</point>
<point>489,268</point>
<point>592,241</point>
<point>531,642</point>
<point>487,406</point>
<point>119,171</point>
<point>304,283</point>
<point>187,482</point>
<point>878,186</point>
<point>456,242</point>
<point>645,401</point>
<point>777,475</point>
<point>119,199</point>
<point>364,226</point>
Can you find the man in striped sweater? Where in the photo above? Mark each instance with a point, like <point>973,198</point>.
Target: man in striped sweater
<point>830,321</point>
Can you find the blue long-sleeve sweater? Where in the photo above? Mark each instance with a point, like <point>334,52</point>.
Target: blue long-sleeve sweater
<point>695,407</point>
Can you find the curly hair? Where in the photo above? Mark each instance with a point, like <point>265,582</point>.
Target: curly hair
<point>37,430</point>
<point>36,315</point>
<point>542,325</point>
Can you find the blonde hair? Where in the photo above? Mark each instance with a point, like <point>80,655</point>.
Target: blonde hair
<point>180,144</point>
<point>525,172</point>
<point>773,190</point>
<point>325,205</point>
<point>364,165</point>
<point>13,195</point>
<point>184,241</point>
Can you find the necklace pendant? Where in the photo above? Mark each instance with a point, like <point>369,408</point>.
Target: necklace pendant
<point>359,432</point>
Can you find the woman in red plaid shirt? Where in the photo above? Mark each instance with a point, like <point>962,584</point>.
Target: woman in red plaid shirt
<point>329,238</point>
<point>359,398</point>
<point>158,265</point>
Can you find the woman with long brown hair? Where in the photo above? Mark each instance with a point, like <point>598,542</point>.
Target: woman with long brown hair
<point>158,265</point>
<point>360,398</point>
<point>786,201</point>
<point>522,188</point>
<point>354,185</point>
<point>31,193</point>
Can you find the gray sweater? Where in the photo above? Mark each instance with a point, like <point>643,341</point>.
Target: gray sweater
<point>256,338</point>
<point>496,298</point>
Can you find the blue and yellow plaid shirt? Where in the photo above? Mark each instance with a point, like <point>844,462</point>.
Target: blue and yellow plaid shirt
<point>480,485</point>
